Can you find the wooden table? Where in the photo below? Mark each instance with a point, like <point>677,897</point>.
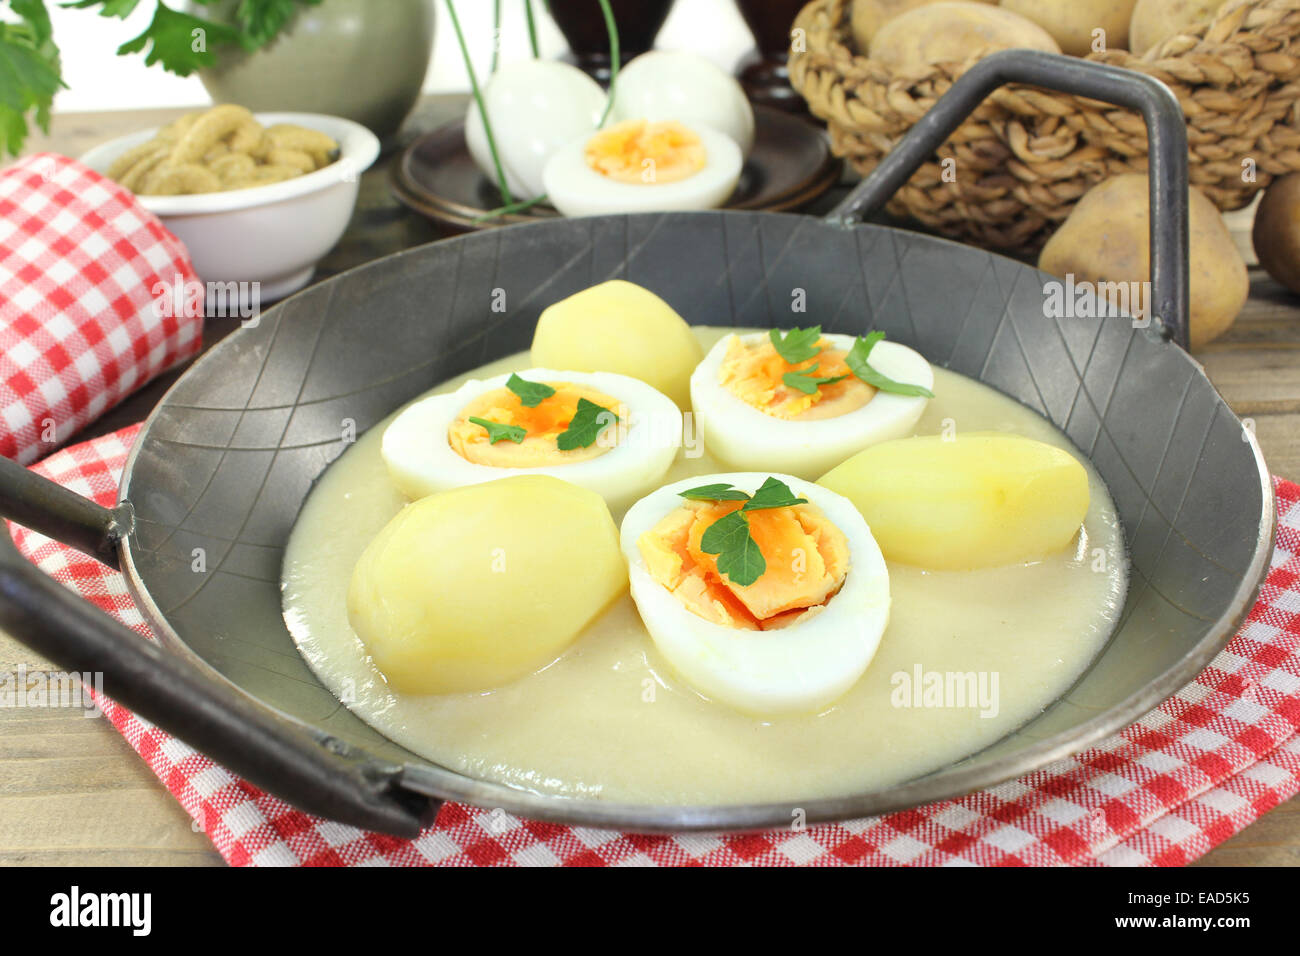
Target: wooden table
<point>73,791</point>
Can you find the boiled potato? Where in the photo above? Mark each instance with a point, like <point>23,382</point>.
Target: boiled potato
<point>951,32</point>
<point>472,588</point>
<point>973,501</point>
<point>618,326</point>
<point>870,15</point>
<point>1072,22</point>
<point>1277,231</point>
<point>1155,21</point>
<point>1107,239</point>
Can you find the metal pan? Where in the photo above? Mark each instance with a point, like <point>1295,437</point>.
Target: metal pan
<point>226,460</point>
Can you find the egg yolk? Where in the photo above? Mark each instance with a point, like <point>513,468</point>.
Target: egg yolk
<point>543,424</point>
<point>754,374</point>
<point>807,559</point>
<point>639,152</point>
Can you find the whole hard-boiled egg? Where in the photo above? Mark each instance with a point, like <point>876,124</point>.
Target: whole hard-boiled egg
<point>535,107</point>
<point>802,401</point>
<point>609,433</point>
<point>671,85</point>
<point>639,165</point>
<point>764,592</point>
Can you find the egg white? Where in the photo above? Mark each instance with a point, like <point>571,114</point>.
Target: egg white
<point>575,189</point>
<point>421,461</point>
<point>802,668</point>
<point>535,107</point>
<point>742,436</point>
<point>687,87</point>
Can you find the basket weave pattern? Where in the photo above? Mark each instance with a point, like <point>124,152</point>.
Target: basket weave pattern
<point>1022,160</point>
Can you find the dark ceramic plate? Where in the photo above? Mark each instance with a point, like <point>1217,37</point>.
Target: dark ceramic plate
<point>789,166</point>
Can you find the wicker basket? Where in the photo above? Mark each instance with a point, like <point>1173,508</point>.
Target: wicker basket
<point>1027,155</point>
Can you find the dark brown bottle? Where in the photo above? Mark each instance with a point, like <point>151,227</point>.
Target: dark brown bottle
<point>763,72</point>
<point>583,25</point>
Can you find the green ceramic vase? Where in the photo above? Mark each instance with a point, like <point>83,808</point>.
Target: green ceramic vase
<point>364,60</point>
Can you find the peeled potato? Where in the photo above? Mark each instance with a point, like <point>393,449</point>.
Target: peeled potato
<point>618,326</point>
<point>472,588</point>
<point>974,501</point>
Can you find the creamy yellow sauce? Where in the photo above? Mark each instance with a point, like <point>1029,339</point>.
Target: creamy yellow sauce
<point>609,720</point>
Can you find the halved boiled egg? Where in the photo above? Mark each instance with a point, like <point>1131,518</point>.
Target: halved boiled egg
<point>609,433</point>
<point>671,84</point>
<point>791,639</point>
<point>752,412</point>
<point>643,166</point>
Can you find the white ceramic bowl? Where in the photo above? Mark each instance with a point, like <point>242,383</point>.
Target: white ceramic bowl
<point>275,234</point>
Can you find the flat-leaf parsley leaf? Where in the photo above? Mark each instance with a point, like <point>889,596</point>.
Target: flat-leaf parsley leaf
<point>586,425</point>
<point>531,394</point>
<point>716,492</point>
<point>498,432</point>
<point>857,362</point>
<point>738,555</point>
<point>773,493</point>
<point>804,381</point>
<point>797,345</point>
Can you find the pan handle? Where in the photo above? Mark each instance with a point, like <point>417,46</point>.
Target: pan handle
<point>316,773</point>
<point>1167,148</point>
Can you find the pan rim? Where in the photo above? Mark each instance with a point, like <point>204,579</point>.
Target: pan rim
<point>945,783</point>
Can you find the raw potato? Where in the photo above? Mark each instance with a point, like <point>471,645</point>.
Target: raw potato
<point>1072,22</point>
<point>870,15</point>
<point>953,32</point>
<point>1277,231</point>
<point>973,501</point>
<point>472,588</point>
<point>1155,21</point>
<point>1107,239</point>
<point>618,326</point>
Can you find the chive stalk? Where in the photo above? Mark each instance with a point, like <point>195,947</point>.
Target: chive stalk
<point>532,27</point>
<point>612,29</point>
<point>496,33</point>
<point>512,208</point>
<point>482,107</point>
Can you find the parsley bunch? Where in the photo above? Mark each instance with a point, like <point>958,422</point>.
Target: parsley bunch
<point>31,73</point>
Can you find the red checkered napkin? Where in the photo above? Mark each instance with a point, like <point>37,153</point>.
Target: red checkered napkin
<point>88,281</point>
<point>1188,775</point>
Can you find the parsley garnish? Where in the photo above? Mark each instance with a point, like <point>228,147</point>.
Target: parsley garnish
<point>738,555</point>
<point>797,345</point>
<point>498,432</point>
<point>803,380</point>
<point>718,492</point>
<point>773,493</point>
<point>857,362</point>
<point>587,423</point>
<point>531,394</point>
